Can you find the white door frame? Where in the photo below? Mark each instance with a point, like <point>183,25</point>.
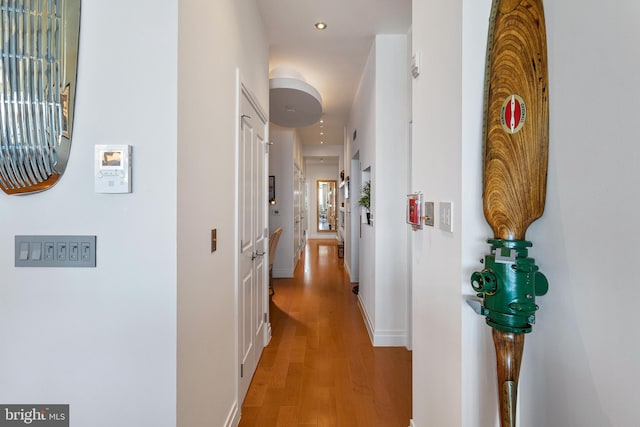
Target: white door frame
<point>243,91</point>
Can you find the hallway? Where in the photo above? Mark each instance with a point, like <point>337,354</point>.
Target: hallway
<point>320,368</point>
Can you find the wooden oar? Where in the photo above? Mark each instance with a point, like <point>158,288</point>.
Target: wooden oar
<point>516,141</point>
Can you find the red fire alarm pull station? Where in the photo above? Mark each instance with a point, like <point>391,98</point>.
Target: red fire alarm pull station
<point>413,210</point>
<point>419,213</point>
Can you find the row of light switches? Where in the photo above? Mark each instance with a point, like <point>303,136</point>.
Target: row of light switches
<point>55,251</point>
<point>32,251</point>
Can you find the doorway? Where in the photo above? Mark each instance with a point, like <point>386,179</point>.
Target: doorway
<point>253,307</point>
<point>356,223</point>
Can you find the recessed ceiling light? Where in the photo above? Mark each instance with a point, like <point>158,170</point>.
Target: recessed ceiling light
<point>321,121</point>
<point>321,142</point>
<point>321,26</point>
<point>321,133</point>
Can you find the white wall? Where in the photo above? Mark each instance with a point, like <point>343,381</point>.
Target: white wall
<point>104,339</point>
<point>348,231</point>
<point>327,150</point>
<point>381,117</point>
<point>478,354</point>
<point>362,120</point>
<point>579,366</point>
<point>215,39</point>
<point>437,172</point>
<point>353,218</point>
<point>108,336</point>
<point>391,189</point>
<point>582,358</point>
<point>281,214</point>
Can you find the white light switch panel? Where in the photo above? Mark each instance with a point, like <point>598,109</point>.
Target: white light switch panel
<point>446,216</point>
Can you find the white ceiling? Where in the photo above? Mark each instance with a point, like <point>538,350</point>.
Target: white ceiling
<point>331,60</point>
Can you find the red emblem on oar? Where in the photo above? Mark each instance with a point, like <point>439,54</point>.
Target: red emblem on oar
<point>513,114</point>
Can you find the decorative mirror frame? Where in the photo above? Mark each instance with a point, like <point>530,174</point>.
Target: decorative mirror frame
<point>335,207</point>
<point>38,72</point>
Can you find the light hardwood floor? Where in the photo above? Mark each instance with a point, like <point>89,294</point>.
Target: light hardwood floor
<point>320,368</point>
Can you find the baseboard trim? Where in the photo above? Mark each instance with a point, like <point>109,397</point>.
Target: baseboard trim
<point>233,419</point>
<point>282,273</point>
<point>267,334</point>
<point>348,270</point>
<point>327,235</point>
<point>366,318</point>
<point>389,338</point>
<point>382,338</point>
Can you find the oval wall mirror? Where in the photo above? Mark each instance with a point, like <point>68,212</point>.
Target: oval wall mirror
<point>326,215</point>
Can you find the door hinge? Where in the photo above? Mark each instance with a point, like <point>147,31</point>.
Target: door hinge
<point>266,232</point>
<point>241,246</point>
<point>265,318</point>
<point>241,370</point>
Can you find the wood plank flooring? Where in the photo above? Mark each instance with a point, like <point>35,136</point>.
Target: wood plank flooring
<point>320,369</point>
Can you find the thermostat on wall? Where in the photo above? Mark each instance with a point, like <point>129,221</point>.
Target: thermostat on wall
<point>113,169</point>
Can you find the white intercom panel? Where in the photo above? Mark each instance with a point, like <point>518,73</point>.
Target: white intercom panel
<point>113,169</point>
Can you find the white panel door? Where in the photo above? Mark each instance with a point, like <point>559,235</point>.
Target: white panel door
<point>253,235</point>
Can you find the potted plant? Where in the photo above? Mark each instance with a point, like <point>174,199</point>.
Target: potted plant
<point>365,199</point>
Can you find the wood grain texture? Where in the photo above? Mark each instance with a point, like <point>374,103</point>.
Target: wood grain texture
<point>320,368</point>
<point>509,348</point>
<point>515,164</point>
<point>516,145</point>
